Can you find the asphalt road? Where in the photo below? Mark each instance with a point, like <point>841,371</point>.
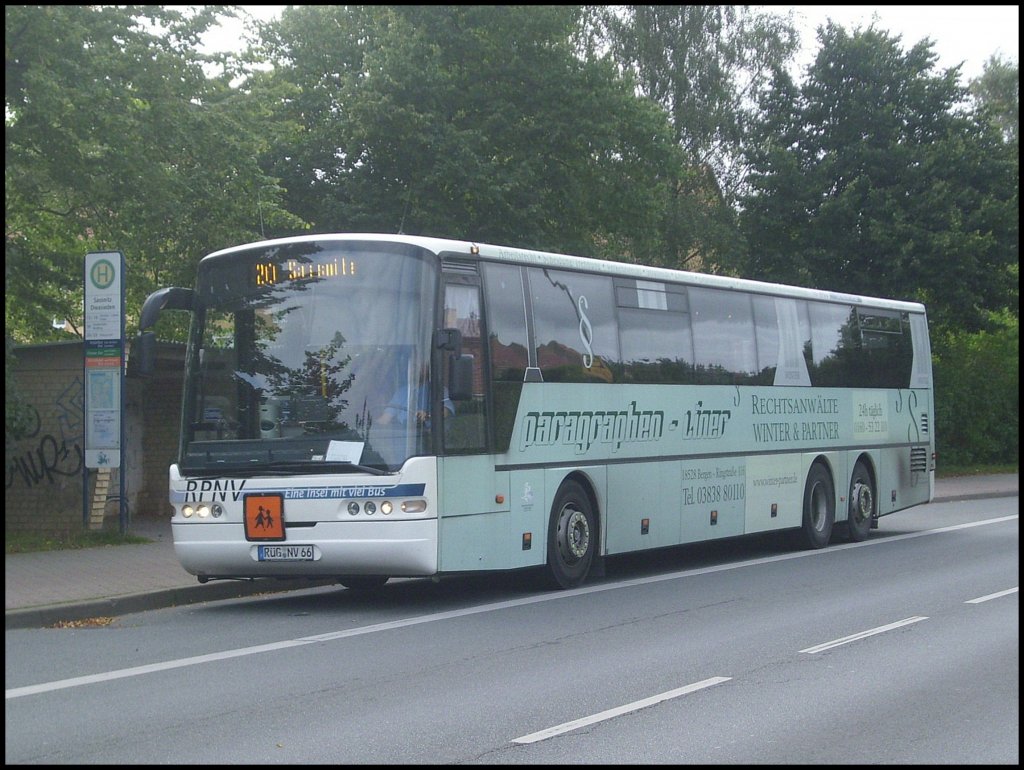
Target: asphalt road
<point>903,649</point>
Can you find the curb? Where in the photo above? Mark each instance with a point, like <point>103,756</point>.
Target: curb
<point>43,617</point>
<point>976,496</point>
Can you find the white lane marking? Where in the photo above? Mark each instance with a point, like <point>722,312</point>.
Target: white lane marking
<point>996,595</point>
<point>62,684</point>
<point>150,668</point>
<point>575,724</point>
<point>863,634</point>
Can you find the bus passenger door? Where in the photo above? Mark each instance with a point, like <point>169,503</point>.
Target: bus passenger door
<point>465,421</point>
<point>473,507</point>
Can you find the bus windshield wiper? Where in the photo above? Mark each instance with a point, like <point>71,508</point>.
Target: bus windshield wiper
<point>282,468</point>
<point>321,466</point>
<point>357,466</point>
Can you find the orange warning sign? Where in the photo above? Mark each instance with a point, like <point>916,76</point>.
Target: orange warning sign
<point>264,517</point>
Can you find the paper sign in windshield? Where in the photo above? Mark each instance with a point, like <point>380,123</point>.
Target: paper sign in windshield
<point>344,452</point>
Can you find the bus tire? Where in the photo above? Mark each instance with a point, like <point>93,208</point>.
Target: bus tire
<point>572,536</point>
<point>862,503</point>
<point>819,507</point>
<point>362,582</point>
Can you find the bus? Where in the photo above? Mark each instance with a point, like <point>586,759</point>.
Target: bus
<point>360,407</point>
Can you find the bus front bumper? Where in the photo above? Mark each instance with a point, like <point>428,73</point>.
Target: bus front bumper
<point>402,548</point>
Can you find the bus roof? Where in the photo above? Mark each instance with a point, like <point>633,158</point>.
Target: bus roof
<point>519,256</point>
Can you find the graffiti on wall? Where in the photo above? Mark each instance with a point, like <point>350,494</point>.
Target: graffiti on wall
<point>51,456</point>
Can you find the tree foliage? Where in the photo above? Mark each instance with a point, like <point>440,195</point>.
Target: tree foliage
<point>871,178</point>
<point>997,91</point>
<point>977,386</point>
<point>466,121</point>
<point>667,135</point>
<point>116,139</point>
<point>704,64</point>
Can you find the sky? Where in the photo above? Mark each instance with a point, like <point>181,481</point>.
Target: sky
<point>961,33</point>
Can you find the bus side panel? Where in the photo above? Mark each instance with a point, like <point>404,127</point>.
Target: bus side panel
<point>530,511</point>
<point>899,484</point>
<point>930,401</point>
<point>643,492</point>
<point>476,529</point>
<point>775,486</point>
<point>905,477</point>
<point>469,484</point>
<point>714,498</point>
<point>478,542</point>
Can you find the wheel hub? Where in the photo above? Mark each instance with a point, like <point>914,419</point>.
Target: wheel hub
<point>862,502</point>
<point>575,535</point>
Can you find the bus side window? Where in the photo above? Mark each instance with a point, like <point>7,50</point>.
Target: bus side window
<point>576,333</point>
<point>766,329</point>
<point>508,349</point>
<point>654,332</point>
<point>723,336</point>
<point>834,345</point>
<point>886,355</point>
<point>466,429</point>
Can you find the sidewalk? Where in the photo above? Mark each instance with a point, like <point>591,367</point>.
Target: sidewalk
<point>41,589</point>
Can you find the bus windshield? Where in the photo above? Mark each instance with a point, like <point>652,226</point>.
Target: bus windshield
<point>311,355</point>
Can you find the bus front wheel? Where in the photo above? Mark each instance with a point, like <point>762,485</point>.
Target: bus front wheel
<point>572,536</point>
<point>819,507</point>
<point>862,503</point>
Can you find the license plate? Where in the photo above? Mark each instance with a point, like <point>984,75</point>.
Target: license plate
<point>284,552</point>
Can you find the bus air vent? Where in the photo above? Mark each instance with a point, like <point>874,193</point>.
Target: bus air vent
<point>918,459</point>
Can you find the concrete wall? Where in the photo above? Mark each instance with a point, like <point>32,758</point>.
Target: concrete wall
<point>44,478</point>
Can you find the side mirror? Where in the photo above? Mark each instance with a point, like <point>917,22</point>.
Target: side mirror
<point>142,360</point>
<point>460,378</point>
<point>172,298</point>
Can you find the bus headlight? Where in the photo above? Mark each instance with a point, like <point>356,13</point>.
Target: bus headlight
<point>414,506</point>
<point>353,508</point>
<point>386,507</point>
<point>202,511</point>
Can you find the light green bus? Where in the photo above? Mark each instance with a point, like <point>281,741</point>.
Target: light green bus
<point>366,406</point>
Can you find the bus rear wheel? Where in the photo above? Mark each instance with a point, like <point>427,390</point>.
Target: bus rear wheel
<point>572,536</point>
<point>819,507</point>
<point>862,503</point>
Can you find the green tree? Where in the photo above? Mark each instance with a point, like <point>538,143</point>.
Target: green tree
<point>465,121</point>
<point>705,65</point>
<point>775,210</point>
<point>115,138</point>
<point>977,393</point>
<point>998,91</point>
<point>872,178</point>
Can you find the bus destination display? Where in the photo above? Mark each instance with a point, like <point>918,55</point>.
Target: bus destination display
<point>273,273</point>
